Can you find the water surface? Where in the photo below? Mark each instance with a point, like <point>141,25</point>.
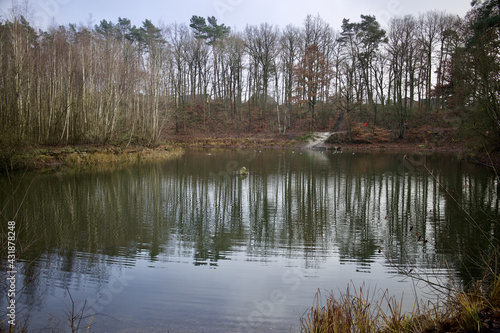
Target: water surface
<point>189,245</point>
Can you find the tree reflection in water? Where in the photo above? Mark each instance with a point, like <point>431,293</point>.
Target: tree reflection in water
<point>306,205</point>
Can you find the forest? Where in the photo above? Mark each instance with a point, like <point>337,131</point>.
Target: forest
<point>116,83</point>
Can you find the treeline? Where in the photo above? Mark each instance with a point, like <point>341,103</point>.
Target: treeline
<point>72,85</point>
<point>118,82</point>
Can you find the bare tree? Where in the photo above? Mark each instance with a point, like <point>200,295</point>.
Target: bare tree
<point>234,53</point>
<point>262,45</point>
<point>402,48</point>
<point>290,43</point>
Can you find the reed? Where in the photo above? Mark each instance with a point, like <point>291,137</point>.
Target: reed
<point>476,309</point>
<point>348,312</point>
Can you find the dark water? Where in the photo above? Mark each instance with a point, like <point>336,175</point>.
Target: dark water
<point>189,245</point>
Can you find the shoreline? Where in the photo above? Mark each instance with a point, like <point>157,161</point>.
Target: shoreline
<point>297,141</point>
<point>85,155</point>
<point>89,156</point>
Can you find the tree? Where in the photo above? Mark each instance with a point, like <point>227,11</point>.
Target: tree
<point>212,33</point>
<point>364,39</point>
<point>402,46</point>
<point>429,34</point>
<point>155,62</point>
<point>349,83</point>
<point>318,34</point>
<point>235,48</point>
<point>262,46</point>
<point>312,74</point>
<point>483,48</point>
<point>115,80</point>
<point>178,39</point>
<point>451,40</point>
<point>289,52</point>
<point>371,36</point>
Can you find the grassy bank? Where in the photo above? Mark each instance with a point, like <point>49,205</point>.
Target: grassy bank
<point>89,156</point>
<point>476,309</point>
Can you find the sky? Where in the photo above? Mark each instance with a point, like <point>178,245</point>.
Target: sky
<point>234,13</point>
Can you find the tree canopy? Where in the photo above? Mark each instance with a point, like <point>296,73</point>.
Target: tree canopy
<point>210,32</point>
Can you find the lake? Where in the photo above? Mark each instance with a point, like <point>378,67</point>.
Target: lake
<point>190,245</point>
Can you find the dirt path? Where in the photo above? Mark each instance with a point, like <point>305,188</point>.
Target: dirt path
<point>318,140</point>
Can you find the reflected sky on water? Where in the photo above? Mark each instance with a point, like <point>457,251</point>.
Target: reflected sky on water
<point>190,245</point>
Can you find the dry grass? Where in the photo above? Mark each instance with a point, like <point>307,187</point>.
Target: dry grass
<point>476,309</point>
<point>79,159</point>
<point>345,313</point>
<point>85,157</point>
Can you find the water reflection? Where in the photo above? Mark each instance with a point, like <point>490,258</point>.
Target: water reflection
<point>292,209</point>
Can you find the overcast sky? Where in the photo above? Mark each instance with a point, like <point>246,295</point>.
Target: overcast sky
<point>234,13</point>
